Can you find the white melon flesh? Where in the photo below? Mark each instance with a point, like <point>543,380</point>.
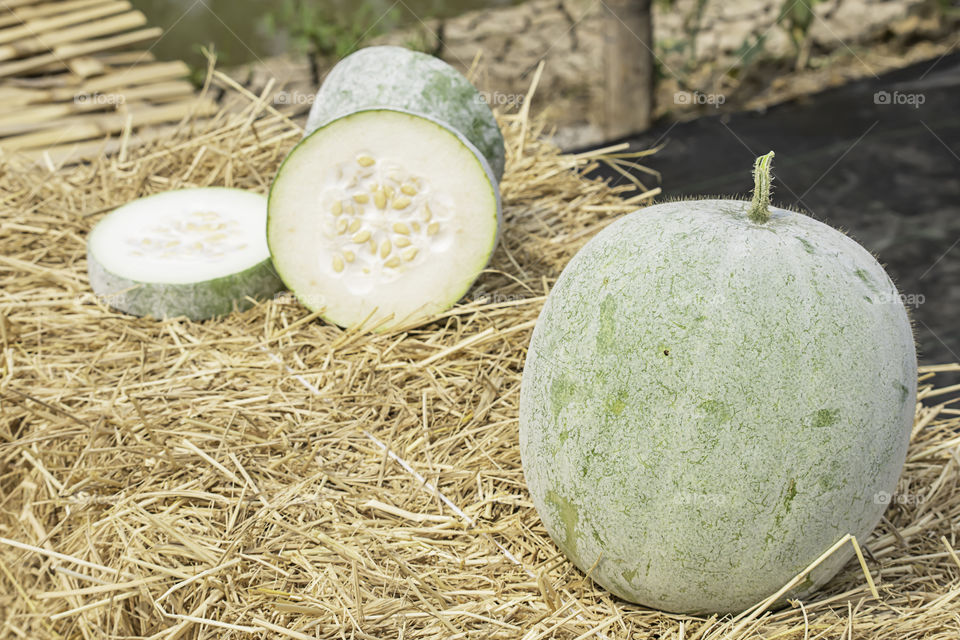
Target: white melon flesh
<point>197,253</point>
<point>382,218</point>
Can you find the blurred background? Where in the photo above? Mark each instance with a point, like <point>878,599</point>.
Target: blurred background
<point>859,98</point>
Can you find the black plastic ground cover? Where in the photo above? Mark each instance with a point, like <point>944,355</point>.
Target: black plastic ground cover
<point>879,158</point>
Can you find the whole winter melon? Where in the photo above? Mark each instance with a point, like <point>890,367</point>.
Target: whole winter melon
<point>715,392</point>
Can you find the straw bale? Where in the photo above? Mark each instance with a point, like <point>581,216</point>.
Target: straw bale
<point>268,475</point>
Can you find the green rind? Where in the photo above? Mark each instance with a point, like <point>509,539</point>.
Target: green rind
<point>708,404</point>
<point>395,77</point>
<point>317,306</point>
<point>196,300</point>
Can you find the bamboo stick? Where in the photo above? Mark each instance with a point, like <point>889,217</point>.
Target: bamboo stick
<point>39,26</point>
<point>19,96</point>
<point>64,52</point>
<point>74,152</point>
<point>13,4</point>
<point>99,125</point>
<point>37,116</point>
<point>86,66</point>
<point>140,74</point>
<point>19,16</point>
<point>92,65</point>
<point>126,58</point>
<point>53,39</point>
<point>46,81</point>
<point>17,121</point>
<point>160,72</point>
<point>81,48</point>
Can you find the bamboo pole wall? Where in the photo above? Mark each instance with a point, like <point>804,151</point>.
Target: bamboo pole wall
<point>77,75</point>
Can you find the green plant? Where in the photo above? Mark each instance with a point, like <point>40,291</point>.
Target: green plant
<point>796,18</point>
<point>330,32</point>
<point>687,46</point>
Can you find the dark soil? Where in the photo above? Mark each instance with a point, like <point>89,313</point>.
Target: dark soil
<point>888,174</point>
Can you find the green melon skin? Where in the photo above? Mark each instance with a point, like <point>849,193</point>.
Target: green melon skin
<point>709,403</point>
<point>197,301</point>
<point>398,78</point>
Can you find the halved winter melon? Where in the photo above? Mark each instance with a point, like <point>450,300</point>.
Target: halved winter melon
<point>382,217</point>
<point>398,78</point>
<point>197,253</point>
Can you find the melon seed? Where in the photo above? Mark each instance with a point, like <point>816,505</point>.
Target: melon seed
<point>410,254</point>
<point>365,161</point>
<point>360,238</point>
<point>393,262</point>
<point>400,227</point>
<point>385,248</point>
<point>337,264</point>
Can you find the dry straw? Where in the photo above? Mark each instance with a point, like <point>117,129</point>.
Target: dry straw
<point>268,475</point>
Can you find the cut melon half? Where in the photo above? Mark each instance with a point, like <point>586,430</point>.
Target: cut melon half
<point>382,218</point>
<point>398,78</point>
<point>197,253</point>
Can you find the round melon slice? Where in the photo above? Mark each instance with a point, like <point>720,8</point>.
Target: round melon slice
<point>382,218</point>
<point>715,393</point>
<point>197,253</point>
<point>395,77</point>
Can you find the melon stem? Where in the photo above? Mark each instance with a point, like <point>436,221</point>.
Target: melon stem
<point>760,205</point>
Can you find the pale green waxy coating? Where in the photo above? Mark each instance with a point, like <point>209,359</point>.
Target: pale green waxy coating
<point>194,300</point>
<point>709,403</point>
<point>398,78</point>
